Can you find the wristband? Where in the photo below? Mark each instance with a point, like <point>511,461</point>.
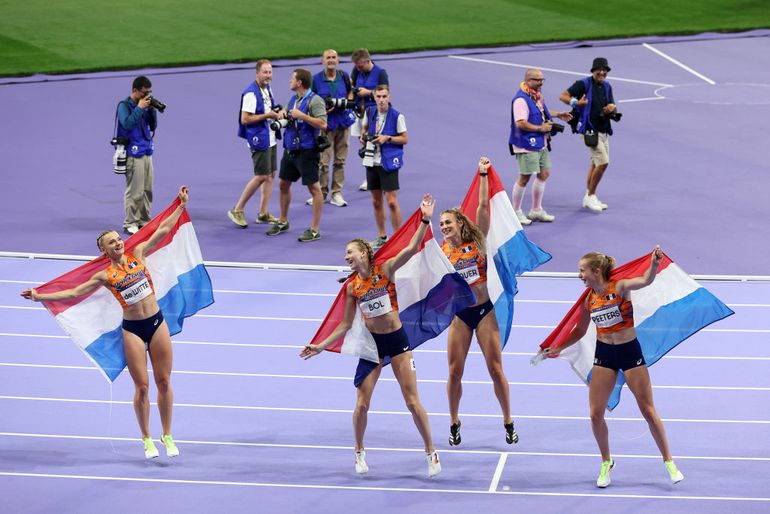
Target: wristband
<point>427,222</point>
<point>482,174</point>
<point>573,101</point>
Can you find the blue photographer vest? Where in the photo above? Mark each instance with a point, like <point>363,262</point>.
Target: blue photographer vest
<point>141,133</point>
<point>370,81</point>
<point>258,134</point>
<point>392,154</point>
<point>300,135</point>
<point>533,141</point>
<point>336,118</point>
<point>584,122</point>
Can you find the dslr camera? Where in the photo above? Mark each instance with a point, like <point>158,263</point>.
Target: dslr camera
<point>322,143</point>
<point>614,116</point>
<point>366,152</point>
<point>339,104</point>
<point>157,104</point>
<point>556,128</point>
<point>119,157</point>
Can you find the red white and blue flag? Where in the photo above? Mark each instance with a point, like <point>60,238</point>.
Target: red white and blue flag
<point>429,292</point>
<point>666,312</point>
<point>182,287</point>
<point>509,252</point>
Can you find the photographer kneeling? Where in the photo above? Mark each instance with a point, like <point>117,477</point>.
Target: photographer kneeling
<point>384,136</point>
<point>530,141</point>
<point>306,117</point>
<point>135,122</point>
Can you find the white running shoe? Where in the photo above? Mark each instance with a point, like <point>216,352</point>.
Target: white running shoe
<point>168,442</point>
<point>523,219</point>
<point>150,451</point>
<point>604,474</point>
<point>434,466</point>
<point>338,200</point>
<point>673,472</point>
<point>604,205</point>
<point>361,466</point>
<point>364,186</point>
<point>540,215</point>
<point>592,203</point>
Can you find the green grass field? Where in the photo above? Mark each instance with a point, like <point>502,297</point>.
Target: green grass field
<point>58,36</point>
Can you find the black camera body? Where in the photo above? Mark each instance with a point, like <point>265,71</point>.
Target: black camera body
<point>119,140</point>
<point>556,128</point>
<point>322,143</point>
<point>157,104</point>
<point>119,158</point>
<point>339,104</point>
<point>614,116</point>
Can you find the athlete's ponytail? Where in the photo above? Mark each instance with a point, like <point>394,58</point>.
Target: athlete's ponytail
<point>603,263</point>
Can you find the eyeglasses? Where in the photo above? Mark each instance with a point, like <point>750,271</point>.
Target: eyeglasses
<point>537,80</point>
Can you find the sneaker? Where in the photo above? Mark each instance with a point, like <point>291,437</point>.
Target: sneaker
<point>361,466</point>
<point>168,442</point>
<point>604,474</point>
<point>523,219</point>
<point>454,433</point>
<point>377,243</point>
<point>309,201</point>
<point>364,186</point>
<point>310,235</point>
<point>540,215</point>
<point>592,203</point>
<point>266,217</point>
<point>131,229</point>
<point>278,227</point>
<point>237,217</point>
<point>150,452</point>
<point>338,200</point>
<point>434,466</point>
<point>511,437</point>
<point>673,472</point>
<point>603,205</point>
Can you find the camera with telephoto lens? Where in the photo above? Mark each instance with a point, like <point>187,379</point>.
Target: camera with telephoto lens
<point>119,157</point>
<point>339,104</point>
<point>277,125</point>
<point>614,116</point>
<point>157,104</point>
<point>366,152</point>
<point>556,128</point>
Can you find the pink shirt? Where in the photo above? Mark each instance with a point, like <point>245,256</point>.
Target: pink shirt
<point>521,112</point>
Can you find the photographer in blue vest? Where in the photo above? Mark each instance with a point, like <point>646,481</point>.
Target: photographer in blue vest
<point>383,155</point>
<point>531,130</point>
<point>137,120</point>
<point>594,105</point>
<point>333,85</point>
<point>305,116</point>
<point>366,76</point>
<point>257,111</point>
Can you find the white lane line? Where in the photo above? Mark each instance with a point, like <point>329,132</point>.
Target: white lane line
<point>373,488</point>
<point>382,449</point>
<point>384,412</point>
<point>498,472</point>
<point>678,63</point>
<point>555,70</point>
<point>419,350</point>
<point>647,99</point>
<point>385,379</point>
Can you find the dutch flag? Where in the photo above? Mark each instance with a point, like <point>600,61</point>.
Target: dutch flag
<point>666,312</point>
<point>509,252</point>
<point>182,287</point>
<point>429,292</point>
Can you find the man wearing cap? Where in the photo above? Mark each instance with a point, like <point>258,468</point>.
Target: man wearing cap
<point>594,104</point>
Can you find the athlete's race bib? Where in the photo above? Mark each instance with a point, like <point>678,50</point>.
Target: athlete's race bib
<point>606,316</point>
<point>470,273</point>
<point>376,306</point>
<point>136,292</point>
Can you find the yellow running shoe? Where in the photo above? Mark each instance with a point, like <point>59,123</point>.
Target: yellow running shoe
<point>604,474</point>
<point>150,452</point>
<point>673,472</point>
<point>168,442</point>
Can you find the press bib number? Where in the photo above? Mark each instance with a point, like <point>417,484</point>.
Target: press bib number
<point>470,274</point>
<point>608,316</point>
<point>137,292</point>
<point>376,306</point>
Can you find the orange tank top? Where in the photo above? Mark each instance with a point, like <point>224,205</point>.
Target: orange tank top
<point>130,283</point>
<point>609,311</point>
<point>467,261</point>
<point>376,295</point>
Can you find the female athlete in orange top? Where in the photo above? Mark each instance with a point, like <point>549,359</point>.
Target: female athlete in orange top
<point>608,305</point>
<point>372,290</point>
<point>144,330</point>
<point>465,247</point>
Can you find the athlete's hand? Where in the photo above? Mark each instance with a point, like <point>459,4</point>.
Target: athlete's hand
<point>311,350</point>
<point>657,256</point>
<point>30,294</point>
<point>427,205</point>
<point>551,352</point>
<point>183,196</point>
<point>484,164</point>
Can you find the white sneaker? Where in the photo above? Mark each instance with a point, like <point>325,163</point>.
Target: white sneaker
<point>309,201</point>
<point>540,215</point>
<point>150,451</point>
<point>364,186</point>
<point>338,200</point>
<point>604,205</point>
<point>523,219</point>
<point>434,466</point>
<point>131,229</point>
<point>673,472</point>
<point>592,203</point>
<point>361,466</point>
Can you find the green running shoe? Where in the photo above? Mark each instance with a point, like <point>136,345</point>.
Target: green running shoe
<point>168,442</point>
<point>604,475</point>
<point>150,452</point>
<point>673,472</point>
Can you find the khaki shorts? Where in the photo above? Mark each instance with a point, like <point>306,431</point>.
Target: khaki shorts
<point>600,154</point>
<point>264,161</point>
<point>532,163</point>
